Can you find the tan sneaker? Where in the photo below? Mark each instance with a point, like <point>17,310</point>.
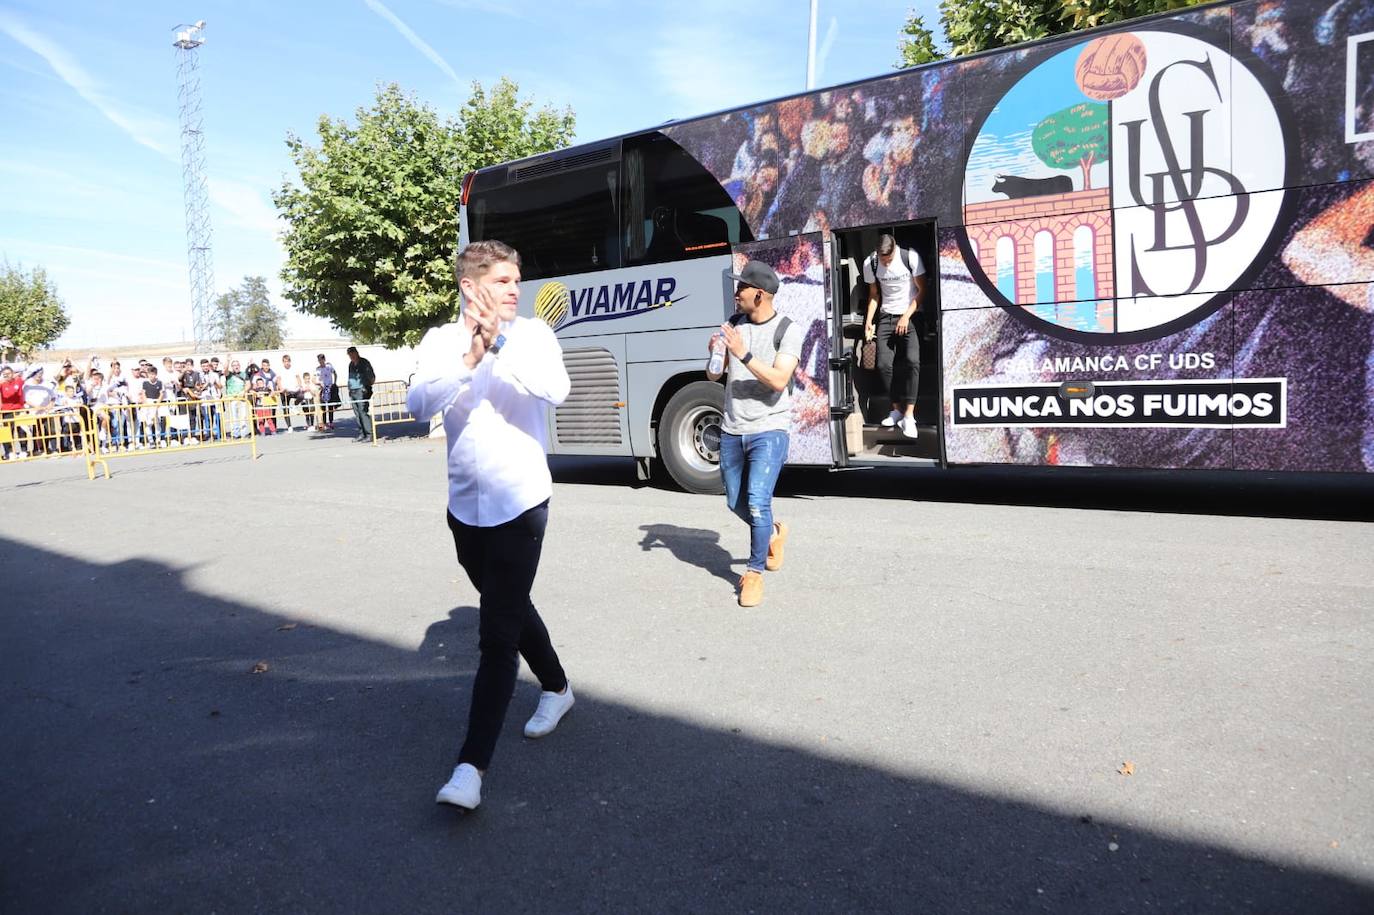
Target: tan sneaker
<point>751,589</point>
<point>775,545</point>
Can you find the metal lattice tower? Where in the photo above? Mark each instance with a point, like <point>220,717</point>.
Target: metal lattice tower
<point>189,38</point>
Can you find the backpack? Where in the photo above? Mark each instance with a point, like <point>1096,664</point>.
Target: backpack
<point>778,332</point>
<point>873,261</point>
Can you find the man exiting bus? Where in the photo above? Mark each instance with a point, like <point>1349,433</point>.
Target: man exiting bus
<point>763,351</point>
<point>896,278</point>
<point>491,374</point>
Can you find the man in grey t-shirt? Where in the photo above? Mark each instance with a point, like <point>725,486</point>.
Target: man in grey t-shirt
<point>758,406</point>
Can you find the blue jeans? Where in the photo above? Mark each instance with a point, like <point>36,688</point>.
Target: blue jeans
<point>749,466</point>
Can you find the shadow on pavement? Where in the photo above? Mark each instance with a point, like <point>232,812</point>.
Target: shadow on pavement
<point>693,546</point>
<point>1337,497</point>
<point>147,768</point>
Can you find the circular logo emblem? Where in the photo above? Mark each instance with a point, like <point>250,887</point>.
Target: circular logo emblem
<point>1104,197</point>
<point>551,304</point>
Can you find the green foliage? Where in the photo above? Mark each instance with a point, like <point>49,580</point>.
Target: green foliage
<point>979,25</point>
<point>917,43</point>
<point>1076,136</point>
<point>372,223</point>
<point>501,127</point>
<point>31,313</point>
<point>244,318</point>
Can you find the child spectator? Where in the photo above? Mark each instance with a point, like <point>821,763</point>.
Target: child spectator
<point>264,406</point>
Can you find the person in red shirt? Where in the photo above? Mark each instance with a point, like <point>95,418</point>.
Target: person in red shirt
<point>11,401</point>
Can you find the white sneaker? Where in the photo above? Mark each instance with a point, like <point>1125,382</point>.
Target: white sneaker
<point>289,430</point>
<point>193,440</point>
<point>909,427</point>
<point>552,708</point>
<point>892,419</point>
<point>464,789</point>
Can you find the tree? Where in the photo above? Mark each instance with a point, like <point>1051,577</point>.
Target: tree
<point>979,25</point>
<point>1075,136</point>
<point>372,225</point>
<point>917,44</point>
<point>245,319</point>
<point>31,312</point>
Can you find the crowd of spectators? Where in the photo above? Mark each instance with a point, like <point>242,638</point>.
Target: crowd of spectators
<point>147,406</point>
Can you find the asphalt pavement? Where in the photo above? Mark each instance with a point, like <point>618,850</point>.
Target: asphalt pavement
<point>234,686</point>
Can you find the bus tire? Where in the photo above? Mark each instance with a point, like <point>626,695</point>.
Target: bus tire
<point>689,437</point>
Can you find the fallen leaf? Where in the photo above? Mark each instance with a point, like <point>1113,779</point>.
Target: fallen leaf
<point>287,627</point>
<point>1127,768</point>
<point>1335,844</point>
<point>260,667</point>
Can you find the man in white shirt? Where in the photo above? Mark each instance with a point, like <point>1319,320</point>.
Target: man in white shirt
<point>289,388</point>
<point>896,279</point>
<point>492,374</point>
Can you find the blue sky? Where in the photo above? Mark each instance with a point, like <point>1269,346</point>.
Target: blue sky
<point>1003,145</point>
<point>90,173</point>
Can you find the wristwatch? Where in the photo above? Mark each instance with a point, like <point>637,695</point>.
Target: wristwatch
<point>496,344</point>
<point>744,360</point>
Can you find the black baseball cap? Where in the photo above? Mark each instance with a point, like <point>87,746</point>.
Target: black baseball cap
<point>759,275</point>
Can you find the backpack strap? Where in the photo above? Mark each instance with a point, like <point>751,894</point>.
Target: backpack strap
<point>783,324</point>
<point>873,261</point>
<point>779,332</point>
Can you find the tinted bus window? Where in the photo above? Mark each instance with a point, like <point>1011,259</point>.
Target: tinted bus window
<point>562,224</point>
<point>674,208</point>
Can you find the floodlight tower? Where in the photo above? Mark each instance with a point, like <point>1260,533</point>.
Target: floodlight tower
<point>189,38</point>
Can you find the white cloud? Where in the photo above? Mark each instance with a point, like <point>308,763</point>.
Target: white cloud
<point>86,255</point>
<point>416,41</point>
<point>156,133</point>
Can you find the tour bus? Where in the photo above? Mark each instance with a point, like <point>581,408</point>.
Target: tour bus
<point>1148,245</point>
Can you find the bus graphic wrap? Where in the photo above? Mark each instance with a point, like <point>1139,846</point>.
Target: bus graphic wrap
<point>1178,193</point>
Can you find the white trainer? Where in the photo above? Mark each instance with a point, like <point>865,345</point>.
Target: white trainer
<point>892,419</point>
<point>552,708</point>
<point>909,427</point>
<point>464,789</point>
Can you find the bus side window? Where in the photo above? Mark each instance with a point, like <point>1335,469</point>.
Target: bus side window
<point>561,224</point>
<point>674,209</point>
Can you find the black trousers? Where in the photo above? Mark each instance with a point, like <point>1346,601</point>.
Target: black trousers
<point>899,358</point>
<point>501,563</point>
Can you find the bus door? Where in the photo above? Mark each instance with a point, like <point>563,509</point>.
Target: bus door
<point>866,431</point>
<point>804,296</point>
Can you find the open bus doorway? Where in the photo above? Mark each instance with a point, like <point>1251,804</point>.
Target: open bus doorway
<point>867,439</point>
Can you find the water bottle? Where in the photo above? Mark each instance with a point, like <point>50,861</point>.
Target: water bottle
<point>717,363</point>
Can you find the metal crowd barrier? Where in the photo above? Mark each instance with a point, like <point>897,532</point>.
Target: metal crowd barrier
<point>54,432</point>
<point>132,430</point>
<point>388,405</point>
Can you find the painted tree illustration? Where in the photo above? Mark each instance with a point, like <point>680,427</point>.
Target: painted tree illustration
<point>1075,136</point>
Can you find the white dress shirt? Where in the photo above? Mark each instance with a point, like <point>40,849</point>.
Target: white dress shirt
<point>494,416</point>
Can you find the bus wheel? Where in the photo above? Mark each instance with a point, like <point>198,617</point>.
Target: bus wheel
<point>689,437</point>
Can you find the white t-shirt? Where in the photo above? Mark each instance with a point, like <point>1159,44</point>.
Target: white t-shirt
<point>289,379</point>
<point>895,280</point>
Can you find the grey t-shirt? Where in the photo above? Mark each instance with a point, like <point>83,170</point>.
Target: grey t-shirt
<point>750,405</point>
